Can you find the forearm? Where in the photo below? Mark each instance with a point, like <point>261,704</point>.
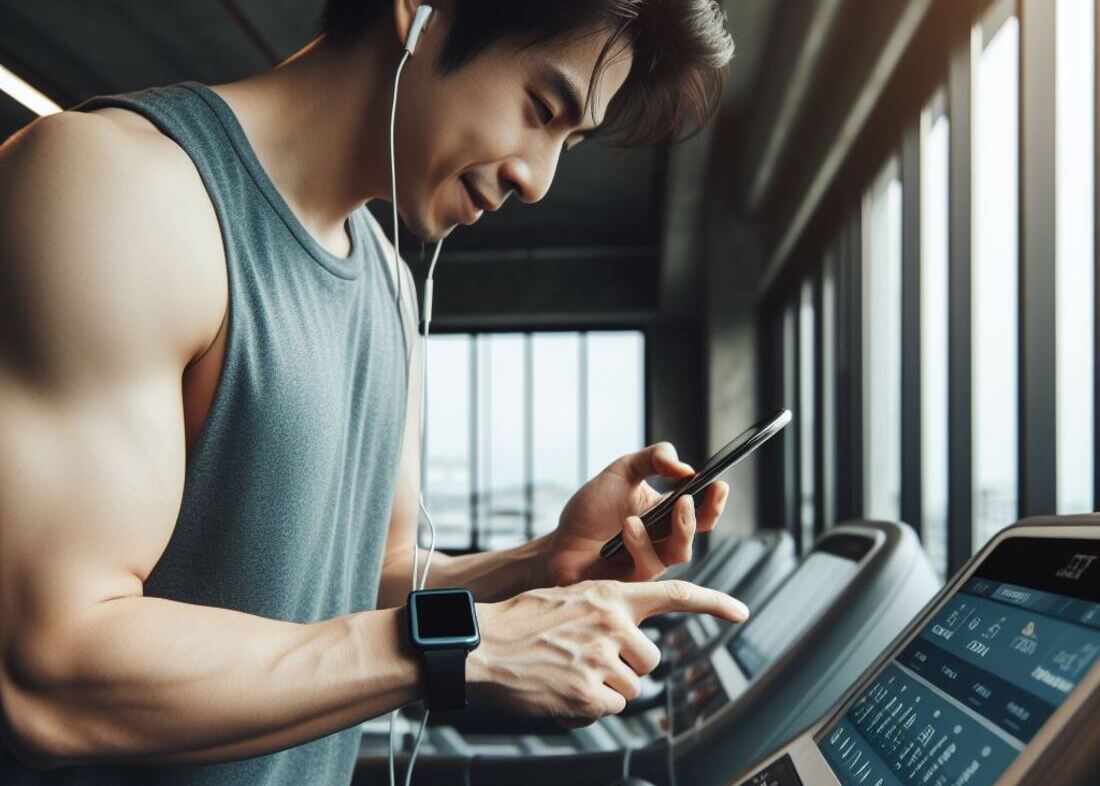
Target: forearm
<point>157,681</point>
<point>491,575</point>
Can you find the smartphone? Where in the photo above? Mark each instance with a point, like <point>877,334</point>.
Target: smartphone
<point>656,519</point>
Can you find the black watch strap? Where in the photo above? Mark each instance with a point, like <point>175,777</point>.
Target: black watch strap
<point>446,673</point>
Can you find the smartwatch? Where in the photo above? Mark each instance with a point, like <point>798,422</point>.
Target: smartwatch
<point>443,628</point>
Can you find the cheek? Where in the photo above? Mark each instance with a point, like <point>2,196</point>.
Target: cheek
<point>476,124</point>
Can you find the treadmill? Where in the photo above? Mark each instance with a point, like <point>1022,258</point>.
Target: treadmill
<point>748,568</point>
<point>996,683</point>
<point>825,624</point>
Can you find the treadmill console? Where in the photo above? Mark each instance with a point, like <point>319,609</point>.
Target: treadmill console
<point>963,697</point>
<point>702,686</point>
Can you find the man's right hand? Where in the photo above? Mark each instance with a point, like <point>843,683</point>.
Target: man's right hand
<point>576,653</point>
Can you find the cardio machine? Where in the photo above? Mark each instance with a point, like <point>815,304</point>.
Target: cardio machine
<point>859,586</point>
<point>996,683</point>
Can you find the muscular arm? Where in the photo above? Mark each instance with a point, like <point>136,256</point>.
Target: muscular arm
<point>103,303</point>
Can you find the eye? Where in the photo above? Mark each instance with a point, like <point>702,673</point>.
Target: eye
<point>545,113</point>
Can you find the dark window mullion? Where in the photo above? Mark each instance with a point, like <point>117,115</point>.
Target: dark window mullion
<point>528,437</point>
<point>1037,462</point>
<point>960,452</point>
<point>849,400</point>
<point>474,437</point>
<point>1096,269</point>
<point>911,484</point>
<point>582,407</point>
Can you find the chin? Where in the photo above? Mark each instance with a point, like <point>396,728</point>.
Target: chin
<point>426,228</point>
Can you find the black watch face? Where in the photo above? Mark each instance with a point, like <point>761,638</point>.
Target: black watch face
<point>443,618</point>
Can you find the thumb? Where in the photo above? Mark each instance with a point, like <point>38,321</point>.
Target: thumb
<point>657,459</point>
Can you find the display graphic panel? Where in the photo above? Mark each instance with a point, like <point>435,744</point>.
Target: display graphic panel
<point>961,701</point>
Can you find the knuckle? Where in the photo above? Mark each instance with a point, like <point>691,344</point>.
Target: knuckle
<point>678,591</point>
<point>576,694</point>
<point>602,597</point>
<point>607,622</point>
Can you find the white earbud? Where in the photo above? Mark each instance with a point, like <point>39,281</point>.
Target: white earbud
<point>418,22</point>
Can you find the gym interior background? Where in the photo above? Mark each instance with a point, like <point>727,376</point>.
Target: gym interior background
<point>889,228</point>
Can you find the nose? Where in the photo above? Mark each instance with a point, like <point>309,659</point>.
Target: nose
<point>529,177</point>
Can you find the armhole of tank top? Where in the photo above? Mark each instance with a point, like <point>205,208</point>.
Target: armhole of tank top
<point>409,319</point>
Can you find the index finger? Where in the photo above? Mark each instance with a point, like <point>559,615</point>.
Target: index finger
<point>647,598</point>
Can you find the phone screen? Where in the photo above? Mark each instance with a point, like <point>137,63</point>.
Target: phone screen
<point>656,519</point>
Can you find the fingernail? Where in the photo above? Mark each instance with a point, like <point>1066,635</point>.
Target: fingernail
<point>740,609</point>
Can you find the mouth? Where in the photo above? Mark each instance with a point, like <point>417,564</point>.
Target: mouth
<point>478,199</point>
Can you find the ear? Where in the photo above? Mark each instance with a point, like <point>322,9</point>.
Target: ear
<point>411,17</point>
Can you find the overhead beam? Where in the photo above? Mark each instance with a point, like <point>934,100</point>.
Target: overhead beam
<point>807,64</point>
<point>868,97</point>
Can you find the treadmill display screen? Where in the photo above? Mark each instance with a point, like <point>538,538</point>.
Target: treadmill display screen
<point>960,702</point>
<point>796,605</point>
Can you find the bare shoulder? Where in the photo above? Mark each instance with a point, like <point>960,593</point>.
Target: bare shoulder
<point>105,219</point>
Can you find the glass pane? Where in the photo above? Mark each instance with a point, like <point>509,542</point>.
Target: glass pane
<point>994,282</point>
<point>503,492</point>
<point>882,346</point>
<point>556,410</point>
<point>790,445</point>
<point>828,387</point>
<point>447,481</point>
<point>935,204</point>
<point>616,386</point>
<point>1075,261</point>
<point>806,421</point>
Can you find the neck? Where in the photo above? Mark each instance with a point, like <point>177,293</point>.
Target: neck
<point>319,124</point>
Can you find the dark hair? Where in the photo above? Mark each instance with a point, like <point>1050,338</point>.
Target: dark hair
<point>680,50</point>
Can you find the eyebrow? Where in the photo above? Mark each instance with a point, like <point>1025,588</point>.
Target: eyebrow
<point>569,94</point>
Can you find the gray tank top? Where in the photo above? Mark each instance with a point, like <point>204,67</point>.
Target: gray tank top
<point>289,486</point>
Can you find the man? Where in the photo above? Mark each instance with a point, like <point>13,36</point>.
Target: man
<point>208,397</point>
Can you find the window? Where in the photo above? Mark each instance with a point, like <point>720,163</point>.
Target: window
<point>448,419</point>
<point>559,432</point>
<point>1074,262</point>
<point>935,203</point>
<point>829,361</point>
<point>882,346</point>
<point>516,422</point>
<point>615,410</point>
<point>994,315</point>
<point>791,486</point>
<point>502,512</point>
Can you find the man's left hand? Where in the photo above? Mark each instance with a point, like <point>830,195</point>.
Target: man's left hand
<point>611,502</point>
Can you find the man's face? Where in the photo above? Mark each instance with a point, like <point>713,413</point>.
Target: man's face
<point>496,125</point>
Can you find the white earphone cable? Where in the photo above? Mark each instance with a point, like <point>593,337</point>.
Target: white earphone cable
<point>393,177</point>
<point>421,505</point>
